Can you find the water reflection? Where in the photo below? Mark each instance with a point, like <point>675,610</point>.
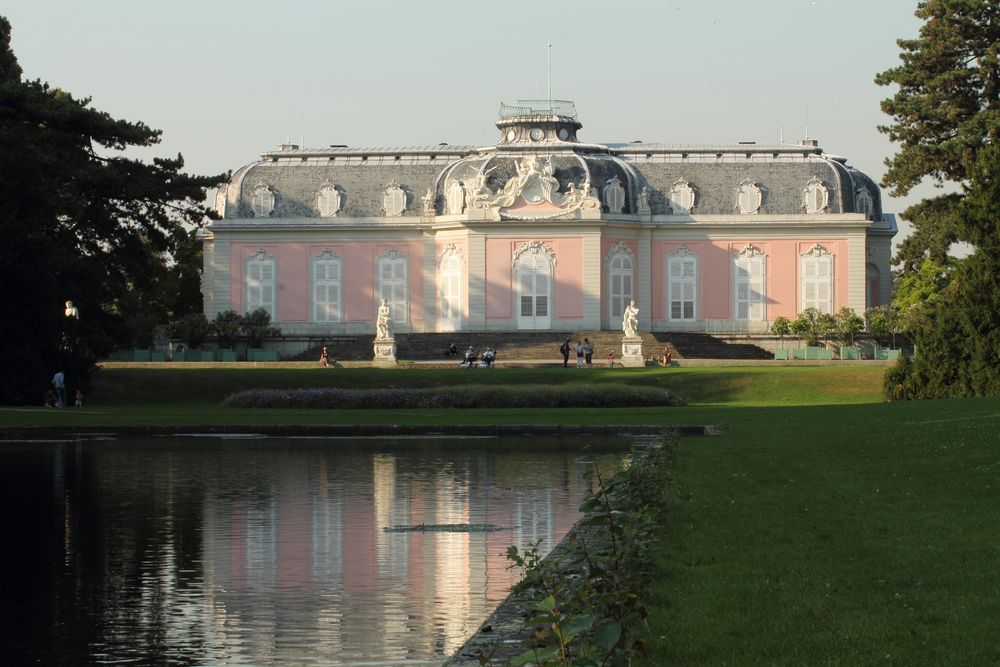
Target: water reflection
<point>180,551</point>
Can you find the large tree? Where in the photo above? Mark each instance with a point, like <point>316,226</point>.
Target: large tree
<point>80,220</point>
<point>946,119</point>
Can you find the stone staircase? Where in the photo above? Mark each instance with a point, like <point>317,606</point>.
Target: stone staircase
<point>534,345</point>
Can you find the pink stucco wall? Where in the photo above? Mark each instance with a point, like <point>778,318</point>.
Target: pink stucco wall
<point>715,274</point>
<point>567,286</point>
<point>359,277</point>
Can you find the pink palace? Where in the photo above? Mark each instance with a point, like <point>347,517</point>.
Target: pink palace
<point>543,231</point>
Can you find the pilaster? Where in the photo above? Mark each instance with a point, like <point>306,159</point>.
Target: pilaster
<point>857,257</point>
<point>592,281</point>
<point>644,279</point>
<point>430,283</point>
<point>476,245</point>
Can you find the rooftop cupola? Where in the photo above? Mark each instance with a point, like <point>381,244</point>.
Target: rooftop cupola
<point>533,122</point>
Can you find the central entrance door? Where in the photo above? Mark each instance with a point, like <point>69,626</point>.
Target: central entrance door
<point>534,291</point>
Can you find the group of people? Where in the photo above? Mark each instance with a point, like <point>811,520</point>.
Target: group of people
<point>56,397</point>
<point>325,360</point>
<point>584,353</point>
<point>469,359</point>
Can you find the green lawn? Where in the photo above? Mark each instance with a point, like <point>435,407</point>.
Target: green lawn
<point>135,396</point>
<point>835,535</point>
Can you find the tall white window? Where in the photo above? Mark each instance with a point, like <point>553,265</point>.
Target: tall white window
<point>450,294</point>
<point>816,280</point>
<point>327,288</point>
<point>260,279</point>
<point>749,284</point>
<point>682,285</point>
<point>392,285</point>
<point>620,281</point>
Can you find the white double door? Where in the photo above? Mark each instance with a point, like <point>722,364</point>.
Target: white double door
<point>534,292</point>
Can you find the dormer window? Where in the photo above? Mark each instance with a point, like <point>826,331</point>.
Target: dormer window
<point>262,201</point>
<point>863,203</point>
<point>815,196</point>
<point>748,197</point>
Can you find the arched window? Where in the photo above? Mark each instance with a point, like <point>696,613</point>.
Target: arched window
<point>260,282</point>
<point>392,284</point>
<point>621,272</point>
<point>863,203</point>
<point>450,290</point>
<point>682,285</point>
<point>749,284</point>
<point>816,280</point>
<point>327,288</point>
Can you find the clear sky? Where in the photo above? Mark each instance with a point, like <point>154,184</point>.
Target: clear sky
<point>226,80</point>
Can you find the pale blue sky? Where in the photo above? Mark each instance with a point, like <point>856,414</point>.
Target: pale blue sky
<point>228,80</point>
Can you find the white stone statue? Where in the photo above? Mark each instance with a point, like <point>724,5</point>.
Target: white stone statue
<point>630,321</point>
<point>428,202</point>
<point>71,310</point>
<point>383,324</point>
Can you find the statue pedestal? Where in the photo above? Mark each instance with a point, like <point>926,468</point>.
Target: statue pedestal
<point>385,352</point>
<point>632,353</point>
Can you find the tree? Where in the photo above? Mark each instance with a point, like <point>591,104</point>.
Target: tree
<point>256,326</point>
<point>781,326</point>
<point>848,325</point>
<point>946,119</point>
<point>81,222</point>
<point>946,109</point>
<point>884,321</point>
<point>813,326</point>
<point>226,327</point>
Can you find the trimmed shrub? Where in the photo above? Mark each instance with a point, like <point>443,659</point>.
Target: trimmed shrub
<point>469,396</point>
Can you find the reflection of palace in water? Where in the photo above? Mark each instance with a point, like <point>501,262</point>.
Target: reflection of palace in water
<point>315,549</point>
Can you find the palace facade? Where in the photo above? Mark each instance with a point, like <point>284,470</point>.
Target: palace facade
<point>545,231</point>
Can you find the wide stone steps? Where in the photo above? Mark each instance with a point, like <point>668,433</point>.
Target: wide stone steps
<point>536,345</point>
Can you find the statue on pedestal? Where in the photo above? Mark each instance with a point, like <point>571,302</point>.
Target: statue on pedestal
<point>385,342</point>
<point>631,342</point>
<point>630,320</point>
<point>383,322</point>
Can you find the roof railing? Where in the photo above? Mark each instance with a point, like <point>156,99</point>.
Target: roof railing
<point>564,108</point>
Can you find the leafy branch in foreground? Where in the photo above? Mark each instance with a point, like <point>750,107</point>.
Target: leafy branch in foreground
<point>590,612</point>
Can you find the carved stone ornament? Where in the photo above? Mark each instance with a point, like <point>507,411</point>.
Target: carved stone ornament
<point>392,253</point>
<point>450,249</point>
<point>682,251</point>
<point>327,254</point>
<point>748,197</point>
<point>393,200</point>
<point>863,202</point>
<point>750,250</point>
<point>614,196</point>
<point>621,248</point>
<point>262,201</point>
<point>533,194</point>
<point>535,248</point>
<point>816,251</point>
<point>455,198</point>
<point>815,196</point>
<point>328,200</point>
<point>682,197</point>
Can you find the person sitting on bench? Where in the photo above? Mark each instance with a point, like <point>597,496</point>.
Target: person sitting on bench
<point>489,356</point>
<point>470,358</point>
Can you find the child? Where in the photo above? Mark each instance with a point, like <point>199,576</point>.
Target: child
<point>78,398</point>
<point>611,359</point>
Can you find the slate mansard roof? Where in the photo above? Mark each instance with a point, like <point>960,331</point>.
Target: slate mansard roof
<point>295,176</point>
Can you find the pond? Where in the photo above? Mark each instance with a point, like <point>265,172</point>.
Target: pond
<point>207,550</point>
